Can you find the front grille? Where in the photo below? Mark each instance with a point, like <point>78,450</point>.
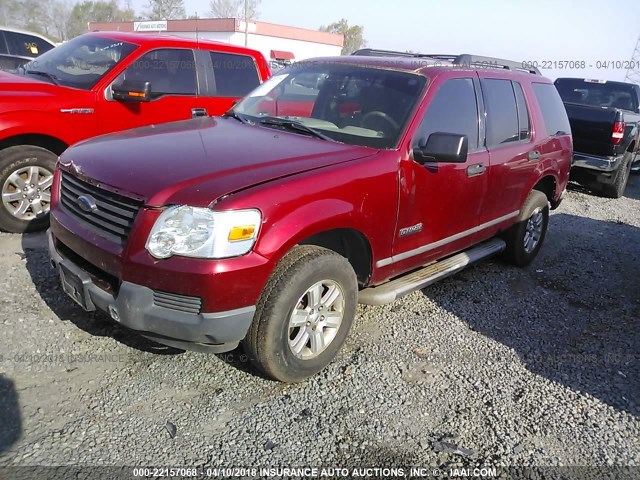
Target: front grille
<point>113,216</point>
<point>174,301</point>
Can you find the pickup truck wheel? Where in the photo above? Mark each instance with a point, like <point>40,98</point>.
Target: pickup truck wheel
<point>304,314</point>
<point>26,176</point>
<point>525,238</point>
<point>620,179</point>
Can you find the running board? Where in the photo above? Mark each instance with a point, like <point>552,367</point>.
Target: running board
<point>390,291</point>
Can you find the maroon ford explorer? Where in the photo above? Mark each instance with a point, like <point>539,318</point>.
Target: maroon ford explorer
<point>337,181</point>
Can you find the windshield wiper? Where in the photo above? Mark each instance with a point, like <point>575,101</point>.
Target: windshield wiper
<point>295,126</point>
<point>51,77</point>
<point>233,114</point>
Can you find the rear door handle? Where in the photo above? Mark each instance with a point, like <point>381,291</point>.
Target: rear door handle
<point>534,155</point>
<point>475,169</point>
<point>198,112</point>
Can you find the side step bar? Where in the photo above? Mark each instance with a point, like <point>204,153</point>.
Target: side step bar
<point>390,291</point>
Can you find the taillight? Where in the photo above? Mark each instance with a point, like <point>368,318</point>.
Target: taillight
<point>618,133</point>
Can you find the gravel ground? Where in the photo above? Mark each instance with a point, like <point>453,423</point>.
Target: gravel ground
<point>498,365</point>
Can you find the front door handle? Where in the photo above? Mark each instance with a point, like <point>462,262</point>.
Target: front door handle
<point>475,169</point>
<point>534,155</point>
<point>198,112</point>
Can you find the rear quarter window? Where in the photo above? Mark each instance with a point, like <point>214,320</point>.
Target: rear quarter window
<point>235,75</point>
<point>553,111</point>
<point>26,45</point>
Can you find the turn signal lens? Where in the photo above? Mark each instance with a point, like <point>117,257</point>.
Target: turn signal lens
<point>245,232</point>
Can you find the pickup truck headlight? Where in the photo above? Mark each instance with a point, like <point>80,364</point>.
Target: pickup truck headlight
<point>203,233</point>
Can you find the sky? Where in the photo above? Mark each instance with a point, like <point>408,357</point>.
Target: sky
<point>602,34</point>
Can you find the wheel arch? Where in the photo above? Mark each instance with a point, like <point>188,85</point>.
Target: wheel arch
<point>547,185</point>
<point>53,144</point>
<point>351,244</point>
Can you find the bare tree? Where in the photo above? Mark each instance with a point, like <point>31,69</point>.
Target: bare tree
<point>252,9</point>
<point>225,8</point>
<point>60,18</point>
<point>165,9</point>
<point>234,9</point>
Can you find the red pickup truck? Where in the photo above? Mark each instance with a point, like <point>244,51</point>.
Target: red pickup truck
<point>100,83</point>
<point>338,180</point>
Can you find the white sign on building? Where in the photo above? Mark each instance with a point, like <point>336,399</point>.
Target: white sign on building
<point>153,26</point>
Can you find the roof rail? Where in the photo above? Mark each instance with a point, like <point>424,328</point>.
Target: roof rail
<point>464,59</point>
<point>374,52</point>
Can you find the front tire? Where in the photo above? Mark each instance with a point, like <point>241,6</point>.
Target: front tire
<point>26,177</point>
<point>304,314</point>
<point>525,238</point>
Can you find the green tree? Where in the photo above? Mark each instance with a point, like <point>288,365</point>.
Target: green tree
<point>96,11</point>
<point>353,36</point>
<point>165,9</point>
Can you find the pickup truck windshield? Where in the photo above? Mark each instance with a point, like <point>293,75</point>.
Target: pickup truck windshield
<point>344,103</point>
<point>78,63</point>
<point>597,93</point>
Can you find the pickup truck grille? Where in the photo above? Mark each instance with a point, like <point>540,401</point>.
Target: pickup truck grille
<point>108,214</point>
<point>174,301</point>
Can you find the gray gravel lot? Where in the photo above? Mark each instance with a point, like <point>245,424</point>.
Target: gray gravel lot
<point>498,365</point>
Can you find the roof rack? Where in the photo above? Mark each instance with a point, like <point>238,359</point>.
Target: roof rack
<point>463,60</point>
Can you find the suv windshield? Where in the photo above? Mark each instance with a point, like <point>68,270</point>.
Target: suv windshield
<point>598,93</point>
<point>79,63</point>
<point>345,103</point>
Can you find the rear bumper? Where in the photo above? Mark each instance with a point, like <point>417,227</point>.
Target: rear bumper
<point>134,307</point>
<point>596,163</point>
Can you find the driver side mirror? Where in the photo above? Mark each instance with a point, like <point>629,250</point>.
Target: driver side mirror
<point>132,91</point>
<point>442,147</point>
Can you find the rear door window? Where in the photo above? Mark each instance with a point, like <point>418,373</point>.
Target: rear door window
<point>502,112</point>
<point>553,111</point>
<point>235,75</point>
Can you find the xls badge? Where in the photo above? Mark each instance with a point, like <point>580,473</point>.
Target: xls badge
<point>412,229</point>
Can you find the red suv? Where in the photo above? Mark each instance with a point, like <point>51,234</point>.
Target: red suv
<point>339,180</point>
<point>100,83</point>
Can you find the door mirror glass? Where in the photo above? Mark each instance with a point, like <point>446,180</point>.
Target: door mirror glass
<point>442,147</point>
<point>131,91</point>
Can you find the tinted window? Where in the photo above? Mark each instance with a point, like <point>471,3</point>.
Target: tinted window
<point>26,45</point>
<point>169,70</point>
<point>597,93</point>
<point>524,125</point>
<point>3,43</point>
<point>235,75</point>
<point>502,112</point>
<point>453,109</point>
<point>553,111</point>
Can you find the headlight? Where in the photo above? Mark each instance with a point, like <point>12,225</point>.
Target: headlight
<point>203,233</point>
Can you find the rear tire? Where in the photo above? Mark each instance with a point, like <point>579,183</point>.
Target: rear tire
<point>620,179</point>
<point>525,238</point>
<point>304,314</point>
<point>26,176</point>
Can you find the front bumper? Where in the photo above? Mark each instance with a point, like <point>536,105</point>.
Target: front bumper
<point>134,307</point>
<point>596,163</point>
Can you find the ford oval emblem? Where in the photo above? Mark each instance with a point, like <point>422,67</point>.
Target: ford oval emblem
<point>87,203</point>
